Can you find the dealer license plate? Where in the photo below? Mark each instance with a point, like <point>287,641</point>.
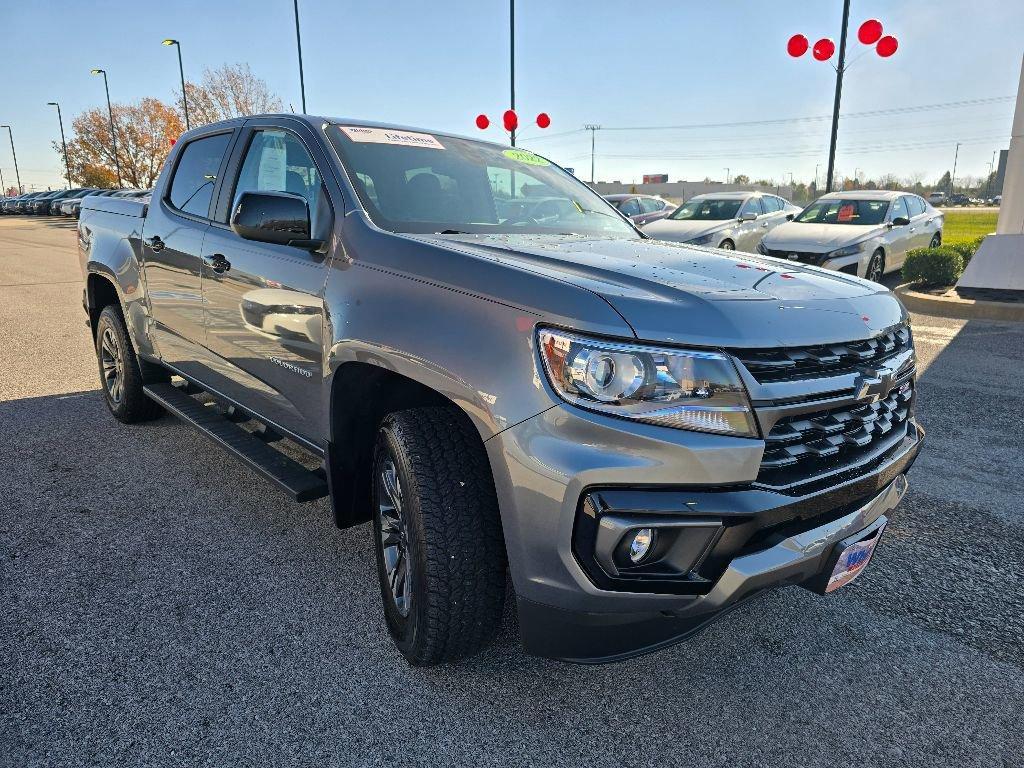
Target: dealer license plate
<point>852,561</point>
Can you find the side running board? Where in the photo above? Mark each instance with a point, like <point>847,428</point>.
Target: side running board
<point>287,474</point>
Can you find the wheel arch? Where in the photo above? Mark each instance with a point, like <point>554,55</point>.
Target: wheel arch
<point>361,396</point>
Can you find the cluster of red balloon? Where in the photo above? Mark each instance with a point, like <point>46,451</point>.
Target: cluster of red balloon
<point>870,33</point>
<point>511,120</point>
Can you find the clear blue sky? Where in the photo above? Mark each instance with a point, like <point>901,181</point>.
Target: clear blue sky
<point>438,64</point>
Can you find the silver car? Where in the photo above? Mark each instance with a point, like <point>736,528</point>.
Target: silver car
<point>735,221</point>
<point>863,233</point>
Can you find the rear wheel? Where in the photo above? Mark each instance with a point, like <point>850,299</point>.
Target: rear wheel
<point>120,370</point>
<point>876,267</point>
<point>936,241</point>
<point>727,245</point>
<point>440,551</point>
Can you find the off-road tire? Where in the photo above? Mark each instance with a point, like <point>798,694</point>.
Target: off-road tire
<point>132,406</point>
<point>453,531</point>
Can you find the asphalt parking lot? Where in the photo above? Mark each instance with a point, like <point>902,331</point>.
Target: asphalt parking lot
<point>159,605</point>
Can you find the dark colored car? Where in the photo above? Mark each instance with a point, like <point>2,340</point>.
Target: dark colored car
<point>641,209</point>
<point>20,204</point>
<point>628,436</point>
<point>41,205</point>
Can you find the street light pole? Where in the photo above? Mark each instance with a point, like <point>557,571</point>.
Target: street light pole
<point>298,42</point>
<point>67,165</point>
<point>839,96</point>
<point>113,134</point>
<point>593,132</point>
<point>17,175</point>
<point>956,156</point>
<point>512,62</point>
<point>181,71</point>
<point>726,175</point>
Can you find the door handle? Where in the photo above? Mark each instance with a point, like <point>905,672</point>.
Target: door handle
<point>219,264</point>
<point>155,243</point>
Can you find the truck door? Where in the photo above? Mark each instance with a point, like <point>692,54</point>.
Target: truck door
<point>264,308</point>
<point>176,224</point>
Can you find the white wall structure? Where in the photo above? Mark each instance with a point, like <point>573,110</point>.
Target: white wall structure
<point>999,263</point>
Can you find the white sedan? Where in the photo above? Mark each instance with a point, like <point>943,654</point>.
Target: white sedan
<point>863,233</point>
<point>735,221</point>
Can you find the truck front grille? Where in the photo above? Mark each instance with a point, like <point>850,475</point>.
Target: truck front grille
<point>804,362</point>
<point>813,446</point>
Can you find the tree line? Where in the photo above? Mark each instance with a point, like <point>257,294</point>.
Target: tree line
<point>146,129</point>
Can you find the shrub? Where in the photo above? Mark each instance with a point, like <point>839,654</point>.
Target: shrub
<point>933,266</point>
<point>967,248</point>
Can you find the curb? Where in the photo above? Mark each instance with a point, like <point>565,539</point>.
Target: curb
<point>957,308</point>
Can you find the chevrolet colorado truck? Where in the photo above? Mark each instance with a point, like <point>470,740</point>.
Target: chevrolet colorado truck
<point>636,435</point>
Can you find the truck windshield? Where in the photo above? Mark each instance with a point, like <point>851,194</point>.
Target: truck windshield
<point>708,210</point>
<point>863,212</point>
<point>421,183</point>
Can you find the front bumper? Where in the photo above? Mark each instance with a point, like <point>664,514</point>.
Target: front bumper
<point>546,467</point>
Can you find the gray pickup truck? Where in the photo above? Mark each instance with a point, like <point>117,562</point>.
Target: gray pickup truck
<point>636,435</point>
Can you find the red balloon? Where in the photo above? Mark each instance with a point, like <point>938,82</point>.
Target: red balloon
<point>543,121</point>
<point>482,122</point>
<point>870,31</point>
<point>510,119</point>
<point>823,49</point>
<point>887,46</point>
<point>797,46</point>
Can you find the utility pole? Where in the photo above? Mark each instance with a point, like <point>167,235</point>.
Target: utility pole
<point>816,167</point>
<point>593,132</point>
<point>839,96</point>
<point>181,71</point>
<point>726,175</point>
<point>956,156</point>
<point>17,175</point>
<point>512,61</point>
<point>298,42</point>
<point>3,187</point>
<point>67,165</point>
<point>113,135</point>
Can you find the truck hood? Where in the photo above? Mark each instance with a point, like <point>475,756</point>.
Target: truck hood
<point>675,293</point>
<point>817,238</point>
<point>680,230</point>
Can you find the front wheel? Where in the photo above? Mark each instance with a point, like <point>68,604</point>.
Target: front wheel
<point>936,241</point>
<point>876,267</point>
<point>727,245</point>
<point>437,535</point>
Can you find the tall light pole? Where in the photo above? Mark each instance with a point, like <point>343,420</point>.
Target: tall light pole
<point>298,43</point>
<point>512,62</point>
<point>726,175</point>
<point>956,156</point>
<point>593,131</point>
<point>3,187</point>
<point>181,71</point>
<point>10,133</point>
<point>839,95</point>
<point>67,165</point>
<point>816,167</point>
<point>110,113</point>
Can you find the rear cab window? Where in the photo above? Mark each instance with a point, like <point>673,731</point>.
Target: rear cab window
<point>195,175</point>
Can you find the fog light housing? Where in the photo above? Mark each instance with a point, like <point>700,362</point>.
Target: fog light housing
<point>641,544</point>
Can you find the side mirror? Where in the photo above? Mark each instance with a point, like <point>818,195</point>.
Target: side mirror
<point>748,216</point>
<point>900,221</point>
<point>272,217</point>
<point>790,216</point>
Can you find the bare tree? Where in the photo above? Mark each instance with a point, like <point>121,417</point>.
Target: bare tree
<point>227,92</point>
<point>145,133</point>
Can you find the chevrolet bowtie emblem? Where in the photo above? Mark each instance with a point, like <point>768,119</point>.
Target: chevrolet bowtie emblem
<point>874,384</point>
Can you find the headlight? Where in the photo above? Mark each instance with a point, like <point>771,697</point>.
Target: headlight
<point>703,239</point>
<point>850,250</point>
<point>671,387</point>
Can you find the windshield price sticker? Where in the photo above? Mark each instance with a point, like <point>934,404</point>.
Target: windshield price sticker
<point>522,156</point>
<point>386,136</point>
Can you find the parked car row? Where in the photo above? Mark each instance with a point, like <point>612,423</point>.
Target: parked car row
<point>63,202</point>
<point>862,233</point>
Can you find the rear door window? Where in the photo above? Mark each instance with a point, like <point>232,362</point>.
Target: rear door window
<point>195,176</point>
<point>650,205</point>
